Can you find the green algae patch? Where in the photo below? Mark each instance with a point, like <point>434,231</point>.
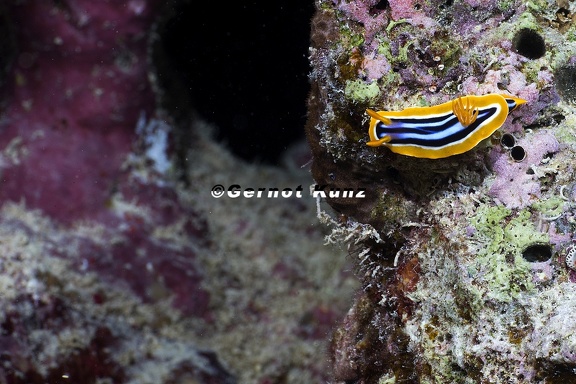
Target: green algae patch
<point>551,207</point>
<point>360,91</point>
<point>525,21</point>
<point>387,379</point>
<point>505,5</point>
<point>565,132</point>
<point>520,232</point>
<point>350,37</point>
<point>499,268</point>
<point>447,49</point>
<point>488,226</point>
<point>393,24</point>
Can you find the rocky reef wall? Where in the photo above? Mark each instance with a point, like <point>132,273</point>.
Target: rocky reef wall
<point>466,261</point>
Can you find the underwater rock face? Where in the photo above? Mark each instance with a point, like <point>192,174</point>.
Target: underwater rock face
<point>87,224</point>
<point>462,259</point>
<point>117,265</point>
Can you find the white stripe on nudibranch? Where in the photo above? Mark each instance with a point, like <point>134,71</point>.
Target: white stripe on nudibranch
<point>443,130</point>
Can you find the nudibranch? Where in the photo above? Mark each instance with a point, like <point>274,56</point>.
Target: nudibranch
<point>443,130</point>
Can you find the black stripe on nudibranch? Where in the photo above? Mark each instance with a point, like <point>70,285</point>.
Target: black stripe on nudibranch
<point>416,126</point>
<point>512,104</point>
<point>450,132</point>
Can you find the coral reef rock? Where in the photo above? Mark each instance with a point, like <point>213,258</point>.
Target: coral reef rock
<point>117,264</point>
<point>462,259</point>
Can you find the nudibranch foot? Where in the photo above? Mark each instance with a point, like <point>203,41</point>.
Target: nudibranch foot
<point>443,130</point>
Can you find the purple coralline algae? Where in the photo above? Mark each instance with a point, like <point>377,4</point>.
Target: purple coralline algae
<point>117,265</point>
<point>462,260</point>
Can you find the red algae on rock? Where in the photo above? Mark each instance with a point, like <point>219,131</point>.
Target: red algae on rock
<point>54,113</point>
<point>113,268</point>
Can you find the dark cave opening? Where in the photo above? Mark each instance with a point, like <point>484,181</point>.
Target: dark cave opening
<point>244,66</point>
